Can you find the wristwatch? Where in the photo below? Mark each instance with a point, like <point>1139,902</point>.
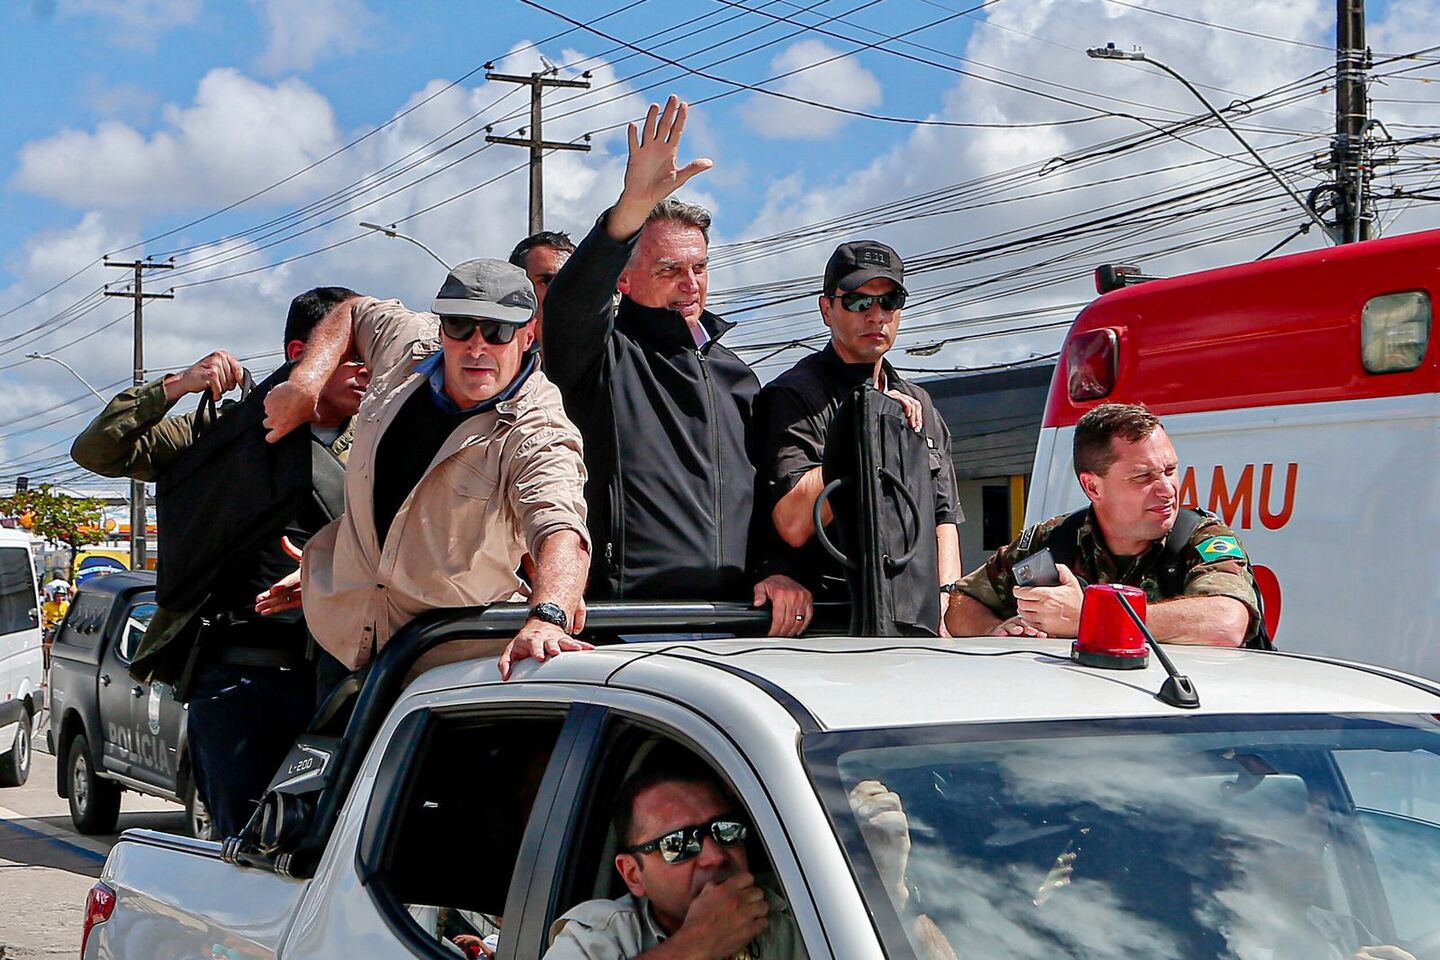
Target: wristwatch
<point>952,587</point>
<point>550,613</point>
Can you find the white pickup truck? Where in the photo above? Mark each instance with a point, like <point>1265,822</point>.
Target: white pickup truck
<point>1054,809</point>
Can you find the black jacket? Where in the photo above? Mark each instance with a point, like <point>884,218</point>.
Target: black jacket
<point>670,486</point>
<point>793,418</point>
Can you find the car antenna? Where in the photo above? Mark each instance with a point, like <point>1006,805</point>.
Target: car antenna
<point>1177,690</point>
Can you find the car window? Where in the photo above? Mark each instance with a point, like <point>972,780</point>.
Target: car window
<point>137,621</point>
<point>1397,795</point>
<point>459,815</point>
<point>1140,838</point>
<point>18,599</point>
<point>592,886</point>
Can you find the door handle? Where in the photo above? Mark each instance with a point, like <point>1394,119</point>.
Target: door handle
<point>104,679</point>
<point>137,692</point>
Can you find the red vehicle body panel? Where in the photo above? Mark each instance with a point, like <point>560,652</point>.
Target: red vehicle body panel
<point>1259,334</point>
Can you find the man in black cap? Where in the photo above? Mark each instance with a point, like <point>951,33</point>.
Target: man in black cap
<point>463,462</point>
<point>663,405</point>
<point>861,302</point>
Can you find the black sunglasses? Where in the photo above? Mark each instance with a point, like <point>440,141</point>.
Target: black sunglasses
<point>860,302</point>
<point>495,332</point>
<point>683,844</point>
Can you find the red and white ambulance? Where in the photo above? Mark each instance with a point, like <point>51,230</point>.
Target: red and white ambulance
<point>1303,396</point>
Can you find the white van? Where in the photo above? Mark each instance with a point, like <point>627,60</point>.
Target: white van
<point>21,659</point>
<point>1303,396</point>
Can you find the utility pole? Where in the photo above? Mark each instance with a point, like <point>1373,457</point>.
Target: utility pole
<point>1350,150</point>
<point>537,144</point>
<point>137,487</point>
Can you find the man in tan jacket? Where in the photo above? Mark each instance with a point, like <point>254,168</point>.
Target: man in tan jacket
<point>463,463</point>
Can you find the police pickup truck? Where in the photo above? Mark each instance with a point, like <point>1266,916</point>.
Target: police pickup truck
<point>110,733</point>
<point>1229,804</point>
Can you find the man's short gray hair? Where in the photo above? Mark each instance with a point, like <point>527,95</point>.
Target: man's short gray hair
<point>678,211</point>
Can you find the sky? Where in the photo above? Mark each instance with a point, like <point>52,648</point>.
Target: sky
<point>243,142</point>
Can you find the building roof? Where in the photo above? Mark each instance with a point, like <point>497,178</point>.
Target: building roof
<point>994,417</point>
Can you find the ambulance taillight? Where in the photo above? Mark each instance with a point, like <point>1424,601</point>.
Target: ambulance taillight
<point>1092,359</point>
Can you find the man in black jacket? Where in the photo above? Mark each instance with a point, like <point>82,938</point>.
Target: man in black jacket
<point>664,409</point>
<point>249,680</point>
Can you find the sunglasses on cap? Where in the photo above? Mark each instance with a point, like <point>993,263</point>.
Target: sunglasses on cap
<point>860,302</point>
<point>495,332</point>
<point>683,844</point>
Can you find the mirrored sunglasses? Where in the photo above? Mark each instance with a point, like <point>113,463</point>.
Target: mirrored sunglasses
<point>860,302</point>
<point>683,844</point>
<point>494,332</point>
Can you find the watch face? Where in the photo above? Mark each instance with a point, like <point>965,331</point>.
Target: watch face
<point>550,613</point>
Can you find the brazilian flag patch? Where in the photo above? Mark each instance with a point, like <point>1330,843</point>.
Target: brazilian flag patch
<point>1220,548</point>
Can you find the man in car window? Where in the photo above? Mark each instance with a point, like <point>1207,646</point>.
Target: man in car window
<point>463,463</point>
<point>683,858</point>
<point>1200,589</point>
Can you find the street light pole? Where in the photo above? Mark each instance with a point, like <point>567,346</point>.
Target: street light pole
<point>46,356</point>
<point>1111,52</point>
<point>390,231</point>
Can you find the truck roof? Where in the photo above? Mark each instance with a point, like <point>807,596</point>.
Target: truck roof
<point>120,582</point>
<point>885,682</point>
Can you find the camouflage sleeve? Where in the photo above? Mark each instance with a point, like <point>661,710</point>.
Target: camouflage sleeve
<point>993,584</point>
<point>132,437</point>
<point>1217,566</point>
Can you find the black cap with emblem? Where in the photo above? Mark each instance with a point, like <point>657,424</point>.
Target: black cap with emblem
<point>855,264</point>
<point>487,289</point>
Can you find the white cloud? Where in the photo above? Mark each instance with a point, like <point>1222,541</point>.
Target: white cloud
<point>139,21</point>
<point>302,32</point>
<point>238,136</point>
<point>842,83</point>
<point>1041,45</point>
<point>181,169</point>
<point>127,102</point>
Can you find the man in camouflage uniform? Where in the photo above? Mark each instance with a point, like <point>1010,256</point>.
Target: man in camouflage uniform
<point>1128,468</point>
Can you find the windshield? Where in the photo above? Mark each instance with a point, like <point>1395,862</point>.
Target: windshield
<point>1249,837</point>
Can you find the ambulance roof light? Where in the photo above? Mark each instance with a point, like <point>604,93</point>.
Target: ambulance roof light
<point>1117,276</point>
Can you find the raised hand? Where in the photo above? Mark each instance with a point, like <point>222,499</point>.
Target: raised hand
<point>886,831</point>
<point>217,373</point>
<point>652,173</point>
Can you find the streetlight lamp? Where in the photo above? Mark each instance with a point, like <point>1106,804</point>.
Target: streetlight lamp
<point>139,518</point>
<point>390,231</point>
<point>46,356</point>
<point>1112,52</point>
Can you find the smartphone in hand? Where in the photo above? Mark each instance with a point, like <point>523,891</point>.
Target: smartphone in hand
<point>1037,570</point>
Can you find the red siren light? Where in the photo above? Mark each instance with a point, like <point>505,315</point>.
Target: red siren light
<point>1109,638</point>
